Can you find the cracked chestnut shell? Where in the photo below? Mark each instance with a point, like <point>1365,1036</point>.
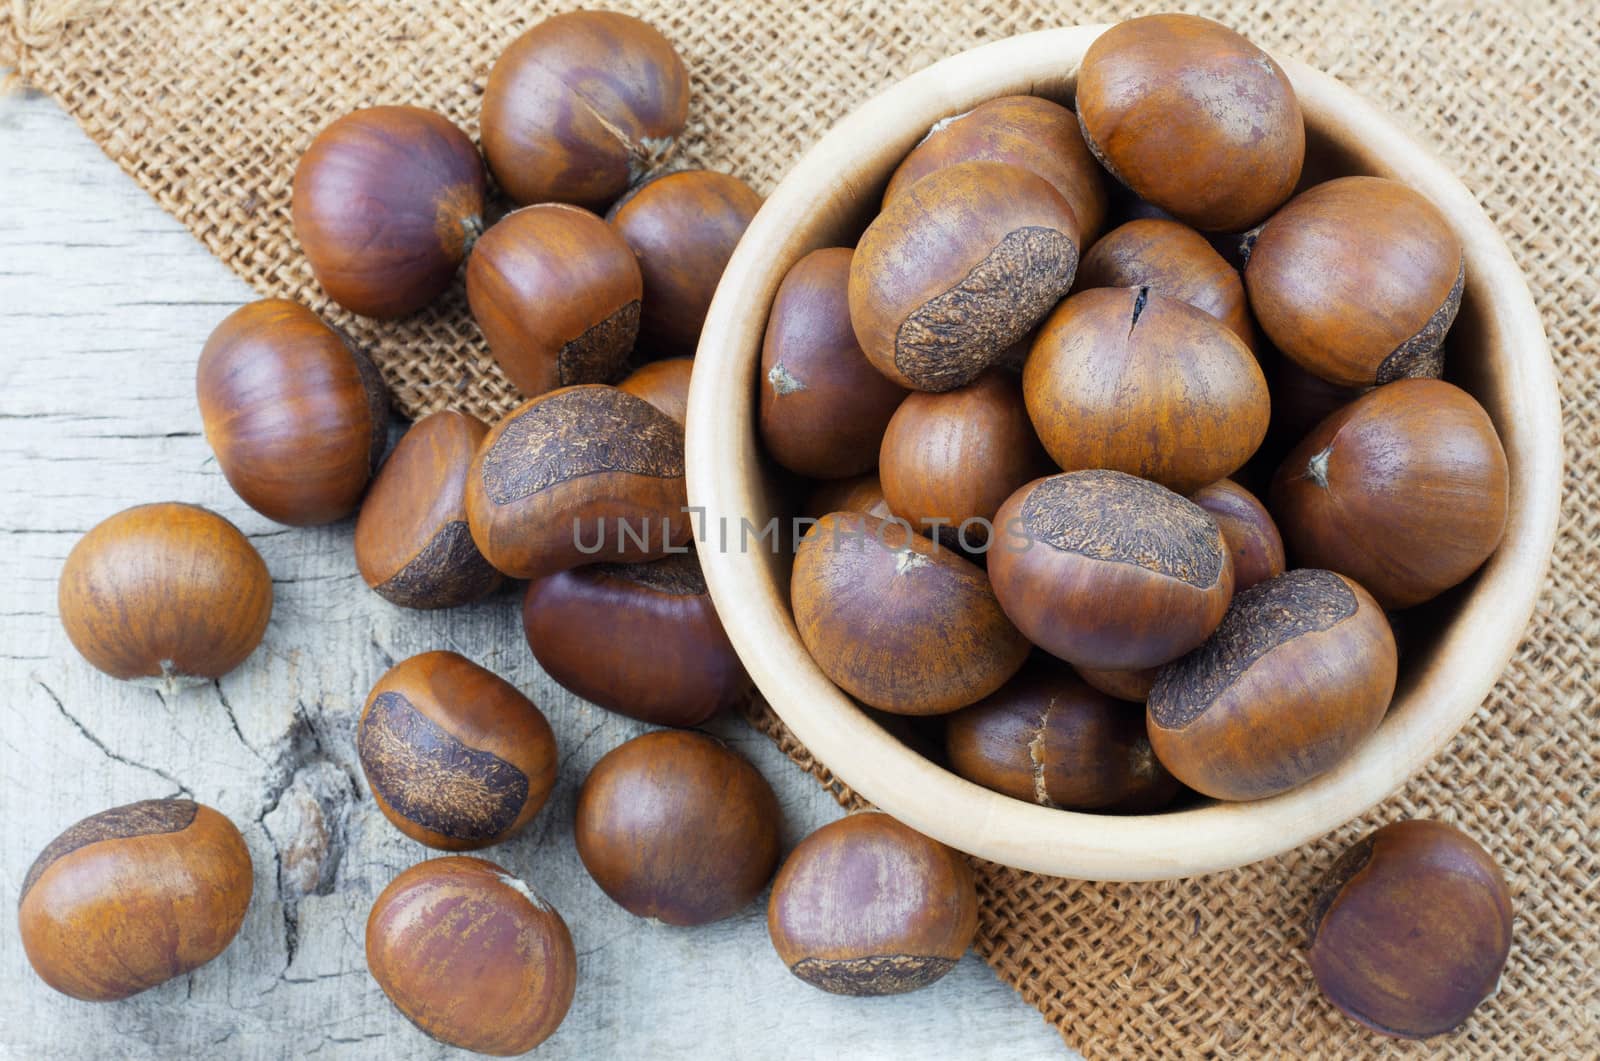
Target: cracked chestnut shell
<point>1193,118</point>
<point>1247,527</point>
<point>1037,134</point>
<point>1174,260</point>
<point>868,906</point>
<point>298,418</point>
<point>1108,571</point>
<point>1405,490</point>
<point>1047,737</point>
<point>581,107</point>
<point>412,542</point>
<point>133,896</point>
<point>676,827</point>
<point>951,459</point>
<point>897,621</point>
<point>556,293</point>
<point>683,227</point>
<point>455,756</point>
<point>1358,281</point>
<point>580,475</point>
<point>589,628</point>
<point>166,595</point>
<point>1128,379</point>
<point>823,406</point>
<point>1297,676</point>
<point>963,264</point>
<point>1410,929</point>
<point>387,203</point>
<point>664,384</point>
<point>472,956</point>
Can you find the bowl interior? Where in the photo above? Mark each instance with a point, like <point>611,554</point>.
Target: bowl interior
<point>1456,648</point>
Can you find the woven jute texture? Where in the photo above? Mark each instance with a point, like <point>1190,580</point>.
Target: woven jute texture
<point>208,103</point>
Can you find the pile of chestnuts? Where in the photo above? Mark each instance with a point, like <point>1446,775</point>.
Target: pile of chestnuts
<point>1028,408</point>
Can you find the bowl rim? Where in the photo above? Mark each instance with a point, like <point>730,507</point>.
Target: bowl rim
<point>1440,691</point>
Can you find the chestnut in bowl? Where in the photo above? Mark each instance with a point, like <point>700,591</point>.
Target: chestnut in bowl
<point>862,494</point>
<point>1130,685</point>
<point>664,384</point>
<point>1247,527</point>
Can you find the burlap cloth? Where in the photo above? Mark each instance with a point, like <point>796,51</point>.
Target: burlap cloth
<point>208,104</point>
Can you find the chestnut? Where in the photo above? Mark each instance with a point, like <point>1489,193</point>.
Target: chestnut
<point>1174,260</point>
<point>133,896</point>
<point>951,459</point>
<point>1298,674</point>
<point>963,264</point>
<point>298,419</point>
<point>166,594</point>
<point>897,621</point>
<point>683,227</point>
<point>1410,929</point>
<point>387,203</point>
<point>412,542</point>
<point>1049,738</point>
<point>1130,685</point>
<point>472,956</point>
<point>1248,529</point>
<point>1193,118</point>
<point>674,826</point>
<point>823,407</point>
<point>1128,379</point>
<point>862,494</point>
<point>556,293</point>
<point>1108,571</point>
<point>868,906</point>
<point>582,106</point>
<point>664,384</point>
<point>588,628</point>
<point>1358,280</point>
<point>1404,490</point>
<point>455,756</point>
<point>1037,134</point>
<point>577,476</point>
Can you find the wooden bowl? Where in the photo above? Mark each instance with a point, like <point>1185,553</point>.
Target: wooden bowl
<point>1497,351</point>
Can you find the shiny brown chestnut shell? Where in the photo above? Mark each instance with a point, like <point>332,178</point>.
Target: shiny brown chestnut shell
<point>675,826</point>
<point>868,906</point>
<point>387,203</point>
<point>1297,676</point>
<point>664,384</point>
<point>581,107</point>
<point>1130,685</point>
<point>1247,527</point>
<point>1405,490</point>
<point>862,494</point>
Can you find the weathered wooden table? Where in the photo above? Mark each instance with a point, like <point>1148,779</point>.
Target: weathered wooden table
<point>104,304</point>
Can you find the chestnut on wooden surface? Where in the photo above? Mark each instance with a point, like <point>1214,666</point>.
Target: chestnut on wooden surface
<point>1049,738</point>
<point>297,418</point>
<point>683,227</point>
<point>1174,260</point>
<point>165,594</point>
<point>868,906</point>
<point>133,896</point>
<point>455,756</point>
<point>580,475</point>
<point>1248,529</point>
<point>1128,379</point>
<point>642,640</point>
<point>1037,134</point>
<point>1410,929</point>
<point>412,542</point>
<point>862,494</point>
<point>675,826</point>
<point>1193,118</point>
<point>951,459</point>
<point>556,293</point>
<point>897,621</point>
<point>1298,674</point>
<point>664,384</point>
<point>963,264</point>
<point>1358,280</point>
<point>1108,571</point>
<point>1404,490</point>
<point>387,202</point>
<point>1130,685</point>
<point>823,406</point>
<point>472,956</point>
